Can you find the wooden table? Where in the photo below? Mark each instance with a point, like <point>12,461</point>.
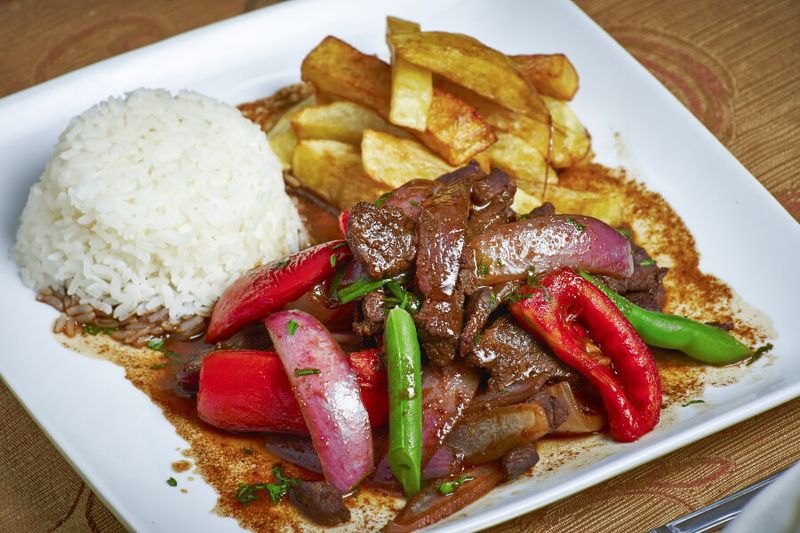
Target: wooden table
<point>732,63</point>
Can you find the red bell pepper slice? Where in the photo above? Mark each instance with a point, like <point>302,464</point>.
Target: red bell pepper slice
<point>248,391</point>
<point>264,289</point>
<point>566,311</point>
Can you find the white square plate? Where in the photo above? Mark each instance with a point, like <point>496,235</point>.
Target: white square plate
<point>120,441</point>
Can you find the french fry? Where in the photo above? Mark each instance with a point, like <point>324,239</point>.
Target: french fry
<point>266,111</point>
<point>340,121</point>
<point>571,141</point>
<point>333,170</point>
<point>525,202</point>
<point>281,137</point>
<point>607,206</point>
<point>454,129</point>
<point>394,161</point>
<point>551,75</point>
<point>524,162</point>
<point>412,86</point>
<point>468,62</point>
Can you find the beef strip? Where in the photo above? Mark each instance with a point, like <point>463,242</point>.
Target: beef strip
<point>382,239</point>
<point>645,286</point>
<point>546,209</point>
<point>441,235</point>
<point>480,306</point>
<point>409,197</point>
<point>250,337</point>
<point>518,461</point>
<point>371,315</point>
<point>320,502</point>
<point>510,354</point>
<point>492,197</point>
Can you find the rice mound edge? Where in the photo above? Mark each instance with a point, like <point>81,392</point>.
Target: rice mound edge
<point>153,200</point>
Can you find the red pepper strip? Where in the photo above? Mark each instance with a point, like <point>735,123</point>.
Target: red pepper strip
<point>247,390</point>
<point>267,288</point>
<point>560,309</point>
<point>344,216</point>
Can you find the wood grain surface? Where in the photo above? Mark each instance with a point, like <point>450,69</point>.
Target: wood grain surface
<point>732,63</point>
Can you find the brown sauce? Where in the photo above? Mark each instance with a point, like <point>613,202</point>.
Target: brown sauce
<point>225,460</point>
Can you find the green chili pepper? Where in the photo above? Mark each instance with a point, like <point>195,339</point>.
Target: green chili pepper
<point>705,343</point>
<point>405,399</point>
<point>359,288</point>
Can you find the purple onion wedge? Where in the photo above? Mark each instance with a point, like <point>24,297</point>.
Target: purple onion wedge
<point>326,389</point>
<point>545,243</point>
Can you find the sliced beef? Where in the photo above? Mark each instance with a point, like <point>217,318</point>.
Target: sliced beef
<point>381,239</point>
<point>409,196</point>
<point>320,502</point>
<point>251,337</point>
<point>645,286</point>
<point>556,411</point>
<point>480,306</point>
<point>546,209</point>
<point>492,197</point>
<point>371,315</point>
<point>439,326</point>
<point>441,235</point>
<point>518,461</point>
<point>510,354</point>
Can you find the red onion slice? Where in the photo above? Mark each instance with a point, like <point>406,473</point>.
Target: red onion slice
<point>326,388</point>
<point>545,243</point>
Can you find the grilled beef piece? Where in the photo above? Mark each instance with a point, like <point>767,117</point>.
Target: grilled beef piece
<point>320,502</point>
<point>441,235</point>
<point>546,209</point>
<point>371,315</point>
<point>250,337</point>
<point>409,197</point>
<point>381,239</point>
<point>492,197</point>
<point>645,286</point>
<point>480,306</point>
<point>556,411</point>
<point>510,354</point>
<point>518,461</point>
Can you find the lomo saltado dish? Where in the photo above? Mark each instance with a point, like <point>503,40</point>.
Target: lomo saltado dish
<point>416,277</point>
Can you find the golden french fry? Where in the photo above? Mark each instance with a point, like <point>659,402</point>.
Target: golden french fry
<point>607,206</point>
<point>525,202</point>
<point>394,161</point>
<point>524,162</point>
<point>468,62</point>
<point>333,170</point>
<point>281,137</point>
<point>551,74</point>
<point>412,86</point>
<point>571,141</point>
<point>266,111</point>
<point>340,121</point>
<point>454,129</point>
<point>484,161</point>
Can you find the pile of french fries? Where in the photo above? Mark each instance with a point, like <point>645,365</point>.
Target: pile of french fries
<point>445,99</point>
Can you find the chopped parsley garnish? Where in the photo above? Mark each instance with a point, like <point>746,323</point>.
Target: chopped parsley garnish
<point>247,494</point>
<point>413,203</point>
<point>578,225</point>
<point>247,451</point>
<point>91,329</point>
<point>306,371</point>
<point>280,264</point>
<point>546,293</point>
<point>448,487</point>
<point>383,198</point>
<point>171,482</point>
<point>647,262</point>
<point>108,331</point>
<point>172,359</point>
<point>156,344</point>
<point>340,245</point>
<point>483,270</point>
<point>291,327</point>
<point>531,280</point>
<point>625,233</point>
<point>492,299</point>
<point>690,402</point>
<point>761,350</point>
<point>333,260</point>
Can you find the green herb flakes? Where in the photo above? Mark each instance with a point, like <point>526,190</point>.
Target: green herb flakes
<point>156,344</point>
<point>171,482</point>
<point>306,371</point>
<point>333,260</point>
<point>647,262</point>
<point>91,329</point>
<point>383,198</point>
<point>291,327</point>
<point>448,487</point>
<point>483,270</point>
<point>492,299</point>
<point>691,402</point>
<point>578,225</point>
<point>760,351</point>
<point>247,451</point>
<point>247,494</point>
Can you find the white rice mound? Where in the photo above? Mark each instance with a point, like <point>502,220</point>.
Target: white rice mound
<point>155,200</point>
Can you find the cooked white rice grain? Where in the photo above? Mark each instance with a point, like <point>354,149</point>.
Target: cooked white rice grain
<point>155,200</point>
